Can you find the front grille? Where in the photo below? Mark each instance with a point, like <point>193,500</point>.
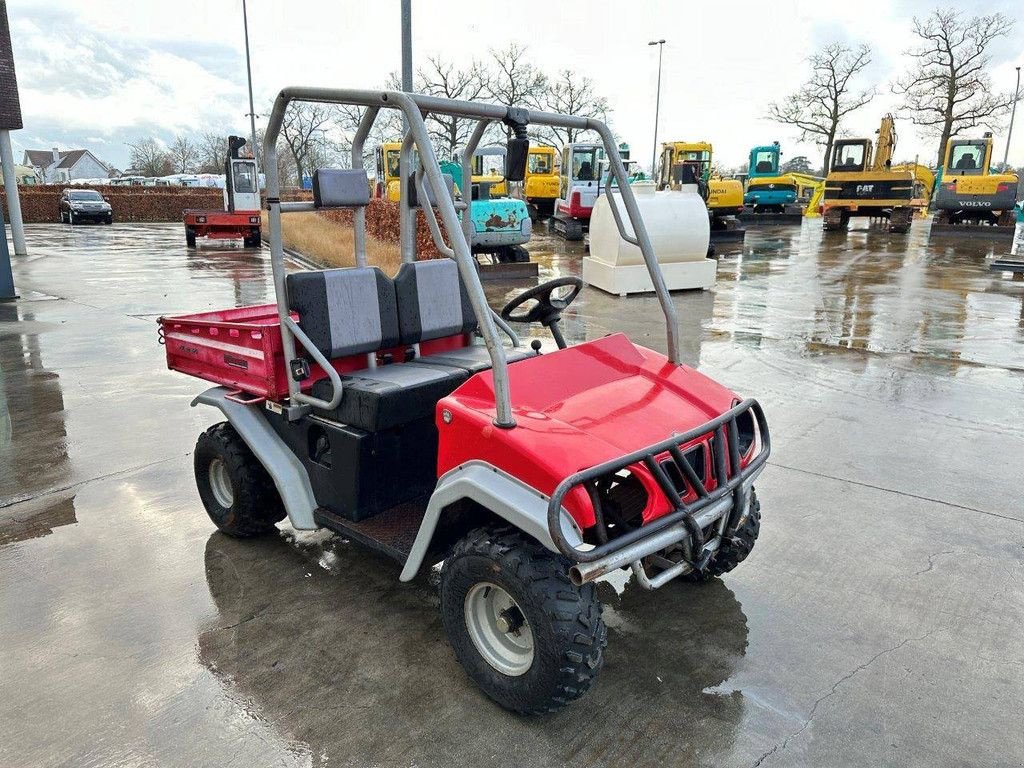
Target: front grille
<point>697,458</point>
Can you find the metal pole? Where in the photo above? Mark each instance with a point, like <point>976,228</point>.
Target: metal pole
<point>13,203</point>
<point>1013,114</point>
<point>407,46</point>
<point>6,277</point>
<point>248,72</point>
<point>657,108</point>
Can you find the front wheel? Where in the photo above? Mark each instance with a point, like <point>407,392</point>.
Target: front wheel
<point>190,237</point>
<point>531,640</point>
<point>235,488</point>
<point>733,552</point>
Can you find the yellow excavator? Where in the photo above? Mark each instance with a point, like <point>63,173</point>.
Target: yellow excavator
<point>540,187</point>
<point>389,183</point>
<point>863,182</point>
<point>969,196</point>
<point>724,197</point>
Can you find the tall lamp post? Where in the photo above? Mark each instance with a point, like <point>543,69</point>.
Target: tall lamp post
<point>657,108</point>
<point>248,72</point>
<point>1013,114</point>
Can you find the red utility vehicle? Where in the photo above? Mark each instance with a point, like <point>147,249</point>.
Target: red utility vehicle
<point>241,218</point>
<point>390,411</point>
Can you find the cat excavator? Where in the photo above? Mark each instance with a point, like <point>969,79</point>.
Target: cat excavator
<point>863,182</point>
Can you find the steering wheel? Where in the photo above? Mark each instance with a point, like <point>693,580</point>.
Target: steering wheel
<point>549,307</point>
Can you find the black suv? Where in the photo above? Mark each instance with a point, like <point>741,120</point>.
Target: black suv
<point>77,205</point>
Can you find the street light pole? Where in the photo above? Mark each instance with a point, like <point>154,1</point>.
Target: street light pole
<point>407,45</point>
<point>1013,114</point>
<point>657,108</point>
<point>248,71</point>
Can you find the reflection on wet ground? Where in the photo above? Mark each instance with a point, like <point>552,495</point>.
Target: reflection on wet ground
<point>877,622</point>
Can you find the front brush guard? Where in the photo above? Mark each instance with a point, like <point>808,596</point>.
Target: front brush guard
<point>684,521</point>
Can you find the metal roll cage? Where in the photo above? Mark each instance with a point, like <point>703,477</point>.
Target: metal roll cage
<point>415,108</point>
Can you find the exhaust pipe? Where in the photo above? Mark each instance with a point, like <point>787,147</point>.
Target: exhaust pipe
<point>583,573</point>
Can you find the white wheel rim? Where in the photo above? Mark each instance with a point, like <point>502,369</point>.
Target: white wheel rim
<point>499,629</point>
<point>220,483</point>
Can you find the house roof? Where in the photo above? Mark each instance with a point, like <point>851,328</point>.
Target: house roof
<point>69,158</point>
<point>43,158</point>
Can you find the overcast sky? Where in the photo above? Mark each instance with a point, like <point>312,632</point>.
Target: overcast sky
<point>96,74</point>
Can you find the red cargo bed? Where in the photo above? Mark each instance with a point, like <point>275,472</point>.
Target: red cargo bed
<point>239,348</point>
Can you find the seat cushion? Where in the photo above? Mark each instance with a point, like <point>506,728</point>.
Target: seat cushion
<point>432,301</point>
<point>380,398</point>
<point>345,311</point>
<point>472,359</point>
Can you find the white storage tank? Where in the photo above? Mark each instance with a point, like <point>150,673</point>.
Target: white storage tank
<point>677,223</point>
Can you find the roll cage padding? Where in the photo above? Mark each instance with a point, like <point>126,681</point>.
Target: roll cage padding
<point>340,188</point>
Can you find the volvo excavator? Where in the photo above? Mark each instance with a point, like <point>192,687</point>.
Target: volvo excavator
<point>969,196</point>
<point>862,181</point>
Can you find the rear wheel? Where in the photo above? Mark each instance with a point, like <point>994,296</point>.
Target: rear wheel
<point>733,552</point>
<point>253,240</point>
<point>190,237</point>
<point>236,490</point>
<point>532,640</point>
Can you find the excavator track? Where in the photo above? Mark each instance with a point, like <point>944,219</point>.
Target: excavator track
<point>900,220</point>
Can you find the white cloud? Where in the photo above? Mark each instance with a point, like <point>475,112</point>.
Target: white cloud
<point>94,71</point>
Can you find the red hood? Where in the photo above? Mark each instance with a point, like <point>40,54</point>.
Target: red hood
<point>575,408</point>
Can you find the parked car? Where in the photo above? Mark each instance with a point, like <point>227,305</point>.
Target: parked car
<point>78,205</point>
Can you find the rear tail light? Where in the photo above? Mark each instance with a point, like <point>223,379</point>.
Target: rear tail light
<point>575,201</point>
<point>1004,187</point>
<point>950,187</point>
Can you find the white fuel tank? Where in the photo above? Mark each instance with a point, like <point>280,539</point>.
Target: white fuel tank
<point>677,223</point>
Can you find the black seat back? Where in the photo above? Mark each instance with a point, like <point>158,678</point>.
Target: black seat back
<point>432,301</point>
<point>345,311</point>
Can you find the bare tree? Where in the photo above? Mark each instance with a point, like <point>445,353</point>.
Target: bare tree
<point>386,127</point>
<point>827,96</point>
<point>183,154</point>
<point>444,79</point>
<point>211,149</point>
<point>571,94</point>
<point>515,82</point>
<point>148,157</point>
<point>305,132</point>
<point>947,89</point>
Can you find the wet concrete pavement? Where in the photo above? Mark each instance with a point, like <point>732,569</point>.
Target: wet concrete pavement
<point>876,623</point>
